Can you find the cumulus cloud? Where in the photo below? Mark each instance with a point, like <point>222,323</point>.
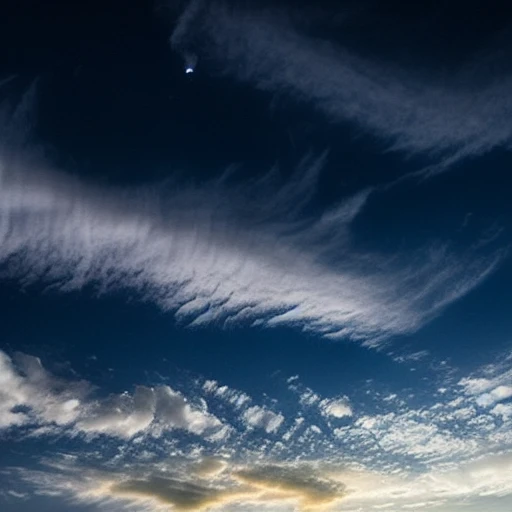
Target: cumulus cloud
<point>264,418</point>
<point>160,408</point>
<point>31,396</point>
<point>183,495</point>
<point>336,407</point>
<point>415,112</point>
<point>503,410</point>
<point>277,486</point>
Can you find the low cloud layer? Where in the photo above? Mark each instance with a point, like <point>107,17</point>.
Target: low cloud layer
<point>414,112</point>
<point>453,447</point>
<point>282,487</point>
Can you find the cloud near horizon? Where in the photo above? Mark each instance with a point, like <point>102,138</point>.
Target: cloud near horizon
<point>130,450</point>
<point>418,112</point>
<point>284,486</point>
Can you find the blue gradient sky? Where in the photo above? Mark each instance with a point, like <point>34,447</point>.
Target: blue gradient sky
<point>280,282</point>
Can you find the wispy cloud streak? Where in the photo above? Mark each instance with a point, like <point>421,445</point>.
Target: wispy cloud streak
<point>450,450</point>
<point>416,112</point>
<point>225,254</point>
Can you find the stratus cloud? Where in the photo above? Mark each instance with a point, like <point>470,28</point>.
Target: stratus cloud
<point>313,489</point>
<point>443,117</point>
<point>278,486</point>
<point>47,400</point>
<point>233,397</point>
<point>182,495</point>
<point>226,254</point>
<point>474,485</point>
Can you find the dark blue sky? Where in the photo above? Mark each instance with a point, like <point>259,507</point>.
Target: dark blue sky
<point>281,281</point>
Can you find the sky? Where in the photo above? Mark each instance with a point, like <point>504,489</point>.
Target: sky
<point>255,256</point>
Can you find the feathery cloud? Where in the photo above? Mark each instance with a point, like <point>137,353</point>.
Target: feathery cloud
<point>414,112</point>
<point>226,254</point>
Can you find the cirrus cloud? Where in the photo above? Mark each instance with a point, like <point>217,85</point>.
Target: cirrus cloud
<point>415,112</point>
<point>224,254</point>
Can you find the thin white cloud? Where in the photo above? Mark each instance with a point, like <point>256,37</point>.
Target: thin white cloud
<point>232,396</point>
<point>416,112</point>
<point>264,418</point>
<point>278,486</point>
<point>337,407</point>
<point>226,254</point>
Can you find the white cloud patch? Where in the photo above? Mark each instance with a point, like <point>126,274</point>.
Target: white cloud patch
<point>503,410</point>
<point>422,457</point>
<point>264,418</point>
<point>307,396</point>
<point>336,407</point>
<point>29,394</point>
<point>233,397</point>
<point>490,389</point>
<point>160,408</point>
<point>419,112</point>
<point>32,397</point>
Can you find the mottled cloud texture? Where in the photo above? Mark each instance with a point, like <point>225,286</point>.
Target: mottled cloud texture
<point>418,112</point>
<point>158,448</point>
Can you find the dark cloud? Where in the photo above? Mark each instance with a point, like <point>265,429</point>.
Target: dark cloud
<point>181,494</point>
<point>310,486</point>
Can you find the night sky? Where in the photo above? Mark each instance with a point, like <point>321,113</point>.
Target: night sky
<point>255,256</point>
